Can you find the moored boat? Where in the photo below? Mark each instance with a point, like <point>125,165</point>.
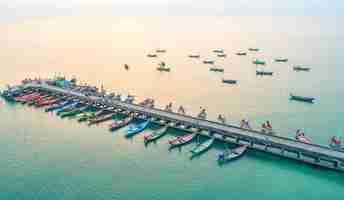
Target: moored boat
<point>58,105</point>
<point>253,49</point>
<point>151,55</point>
<point>202,147</point>
<point>194,56</point>
<point>221,55</point>
<point>219,51</point>
<point>231,154</point>
<point>181,140</point>
<point>156,134</point>
<point>208,62</point>
<point>120,123</point>
<point>258,62</point>
<point>101,119</point>
<point>163,67</point>
<point>281,59</point>
<point>302,98</point>
<point>241,53</point>
<point>137,128</point>
<point>160,51</point>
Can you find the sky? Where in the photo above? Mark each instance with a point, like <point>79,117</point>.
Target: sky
<point>24,8</point>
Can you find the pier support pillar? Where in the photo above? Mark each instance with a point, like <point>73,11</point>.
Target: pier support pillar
<point>282,151</point>
<point>251,143</point>
<point>298,154</point>
<point>336,164</point>
<point>237,140</point>
<point>317,159</point>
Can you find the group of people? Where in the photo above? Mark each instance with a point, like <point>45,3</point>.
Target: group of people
<point>221,118</point>
<point>202,114</point>
<point>336,143</point>
<point>168,107</point>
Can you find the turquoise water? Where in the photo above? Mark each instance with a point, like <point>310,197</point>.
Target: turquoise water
<point>45,157</point>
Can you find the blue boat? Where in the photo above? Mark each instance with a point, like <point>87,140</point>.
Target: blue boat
<point>134,129</point>
<point>58,106</point>
<point>66,107</point>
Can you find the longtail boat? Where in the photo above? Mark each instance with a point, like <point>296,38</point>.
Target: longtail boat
<point>156,134</point>
<point>231,154</point>
<point>120,123</point>
<point>100,119</point>
<point>281,59</point>
<point>264,73</point>
<point>253,49</point>
<point>73,112</point>
<point>229,81</point>
<point>222,55</point>
<point>208,62</point>
<point>86,116</point>
<point>137,128</point>
<point>181,140</point>
<point>300,68</point>
<point>301,98</point>
<point>216,69</point>
<point>258,62</point>
<point>58,105</point>
<point>218,50</point>
<point>202,147</point>
<point>241,53</point>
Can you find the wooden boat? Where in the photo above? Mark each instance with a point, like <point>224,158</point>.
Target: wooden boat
<point>181,140</point>
<point>85,116</point>
<point>229,81</point>
<point>156,134</point>
<point>216,69</point>
<point>241,53</point>
<point>134,129</point>
<point>101,119</point>
<point>253,49</point>
<point>222,55</point>
<point>208,62</point>
<point>263,73</point>
<point>231,154</point>
<point>58,106</point>
<point>66,107</point>
<point>150,55</point>
<point>281,59</point>
<point>194,56</point>
<point>300,68</point>
<point>301,98</point>
<point>120,123</point>
<point>202,147</point>
<point>258,62</point>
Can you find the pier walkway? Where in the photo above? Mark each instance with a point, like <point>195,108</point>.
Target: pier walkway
<point>310,153</point>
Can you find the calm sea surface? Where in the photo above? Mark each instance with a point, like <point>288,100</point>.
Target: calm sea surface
<point>45,157</point>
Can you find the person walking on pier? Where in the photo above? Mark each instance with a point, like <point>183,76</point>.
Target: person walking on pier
<point>181,110</point>
<point>221,118</point>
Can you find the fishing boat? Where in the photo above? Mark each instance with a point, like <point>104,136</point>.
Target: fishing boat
<point>253,49</point>
<point>156,134</point>
<point>216,69</point>
<point>222,55</point>
<point>160,51</point>
<point>134,129</point>
<point>120,123</point>
<point>301,98</point>
<point>209,62</point>
<point>258,62</point>
<point>181,140</point>
<point>74,112</point>
<point>229,81</point>
<point>194,56</point>
<point>218,50</point>
<point>241,53</point>
<point>281,59</point>
<point>151,55</point>
<point>101,119</point>
<point>66,107</point>
<point>163,67</point>
<point>58,105</point>
<point>264,73</point>
<point>85,116</point>
<point>300,68</point>
<point>231,154</point>
<point>202,147</point>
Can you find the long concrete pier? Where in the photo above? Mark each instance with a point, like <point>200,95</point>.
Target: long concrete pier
<point>313,154</point>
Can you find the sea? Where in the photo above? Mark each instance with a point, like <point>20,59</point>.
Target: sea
<point>46,157</point>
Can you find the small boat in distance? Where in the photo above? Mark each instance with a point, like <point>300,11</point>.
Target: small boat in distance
<point>194,56</point>
<point>160,51</point>
<point>300,68</point>
<point>253,49</point>
<point>264,73</point>
<point>163,67</point>
<point>231,154</point>
<point>241,53</point>
<point>258,62</point>
<point>281,59</point>
<point>202,147</point>
<point>134,129</point>
<point>301,98</point>
<point>209,62</point>
<point>126,67</point>
<point>156,134</point>
<point>181,140</point>
<point>219,51</point>
<point>151,55</point>
<point>222,55</point>
<point>229,81</point>
<point>216,69</point>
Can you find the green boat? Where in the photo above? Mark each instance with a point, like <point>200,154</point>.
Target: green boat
<point>85,116</point>
<point>259,62</point>
<point>156,134</point>
<point>202,147</point>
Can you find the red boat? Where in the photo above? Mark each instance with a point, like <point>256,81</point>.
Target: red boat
<point>120,123</point>
<point>178,141</point>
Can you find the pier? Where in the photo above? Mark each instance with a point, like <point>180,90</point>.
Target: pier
<point>313,154</point>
